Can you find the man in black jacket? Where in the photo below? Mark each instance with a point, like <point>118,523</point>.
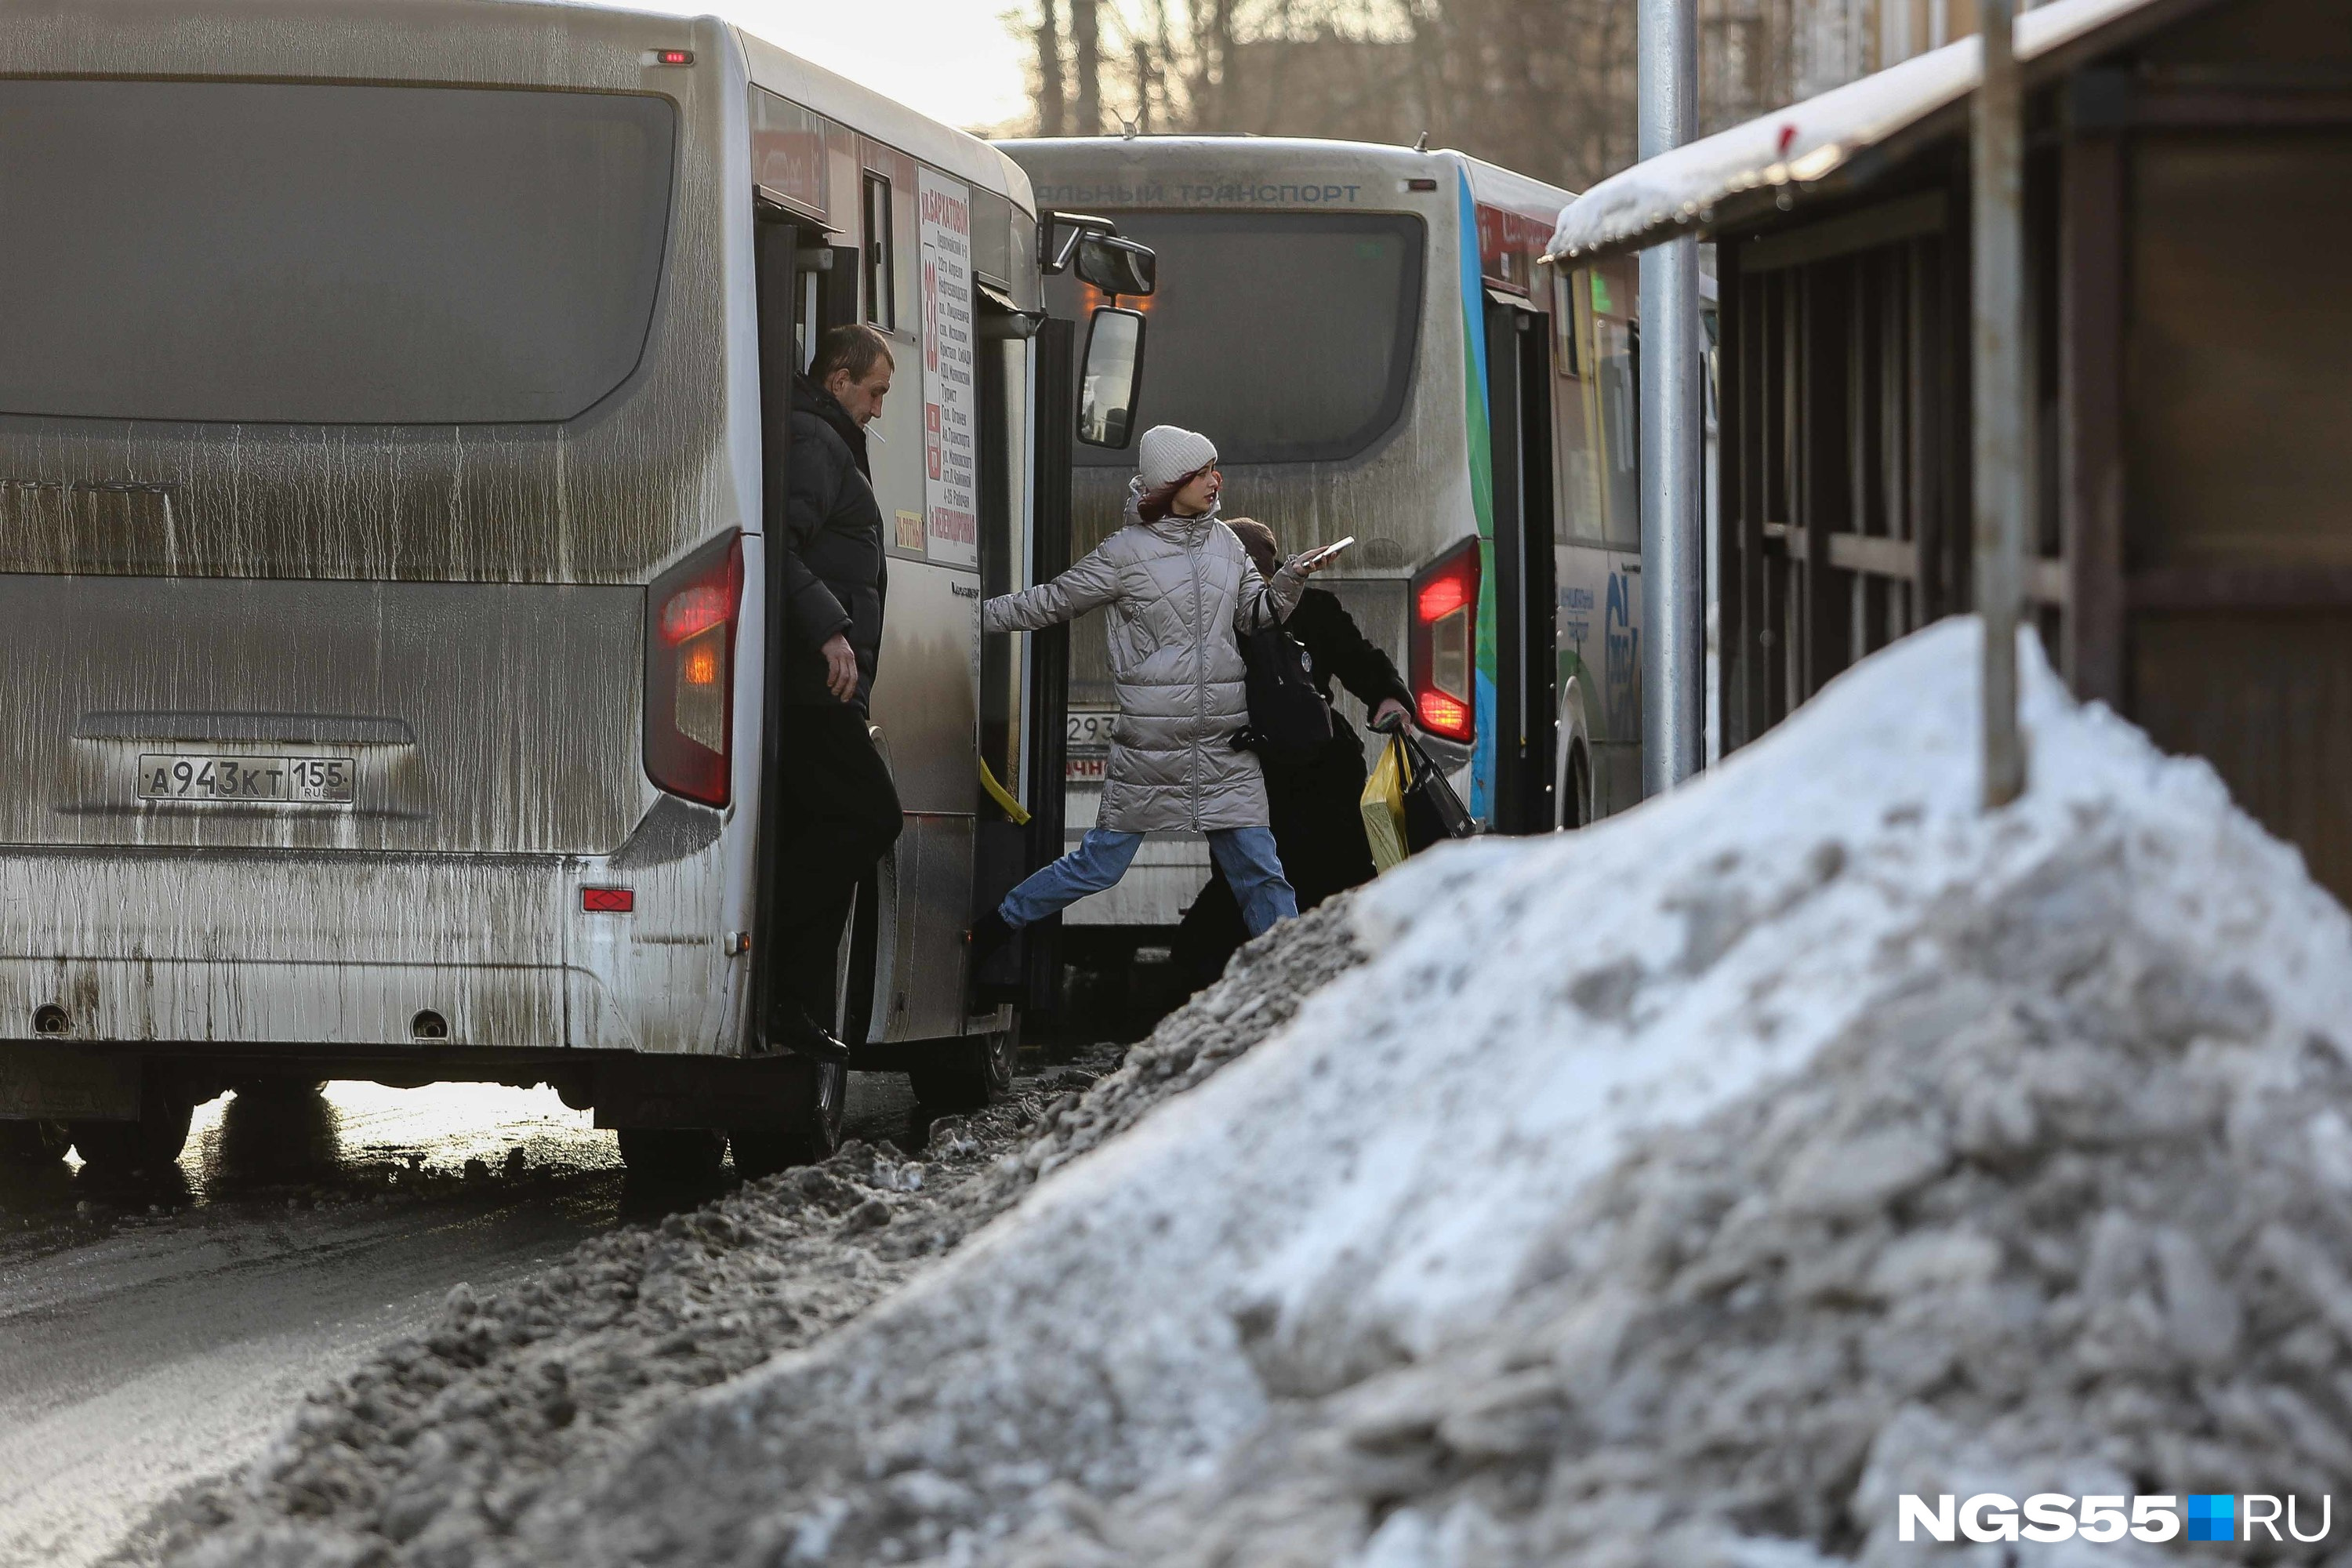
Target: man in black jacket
<point>841,809</point>
<point>1318,818</point>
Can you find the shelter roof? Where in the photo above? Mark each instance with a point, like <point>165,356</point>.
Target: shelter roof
<point>1836,140</point>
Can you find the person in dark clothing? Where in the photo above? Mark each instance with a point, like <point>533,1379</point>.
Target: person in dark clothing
<point>1319,823</point>
<point>841,809</point>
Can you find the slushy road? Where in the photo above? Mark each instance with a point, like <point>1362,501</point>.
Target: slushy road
<point>152,1336</point>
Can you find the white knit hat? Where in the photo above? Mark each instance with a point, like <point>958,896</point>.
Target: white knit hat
<point>1168,453</point>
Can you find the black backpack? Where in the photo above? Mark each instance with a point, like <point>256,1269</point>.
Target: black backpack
<point>1289,722</point>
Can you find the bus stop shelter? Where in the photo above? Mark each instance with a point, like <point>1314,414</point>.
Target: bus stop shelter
<point>2188,266</point>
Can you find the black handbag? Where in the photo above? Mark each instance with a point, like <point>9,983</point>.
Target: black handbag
<point>1289,722</point>
<point>1432,812</point>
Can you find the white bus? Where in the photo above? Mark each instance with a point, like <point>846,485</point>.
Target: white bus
<point>379,388</point>
<point>1366,334</point>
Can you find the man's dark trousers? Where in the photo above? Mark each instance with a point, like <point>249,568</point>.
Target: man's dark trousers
<point>841,813</point>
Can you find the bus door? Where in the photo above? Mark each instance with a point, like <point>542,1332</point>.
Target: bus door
<point>1519,409</point>
<point>806,285</point>
<point>1024,681</point>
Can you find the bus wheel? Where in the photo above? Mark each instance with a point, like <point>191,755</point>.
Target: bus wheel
<point>764,1151</point>
<point>964,1073</point>
<point>673,1154</point>
<point>127,1148</point>
<point>33,1142</point>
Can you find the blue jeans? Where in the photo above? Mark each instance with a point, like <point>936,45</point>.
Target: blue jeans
<point>1245,854</point>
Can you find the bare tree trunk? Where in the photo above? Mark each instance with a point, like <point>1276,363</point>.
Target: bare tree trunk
<point>1196,76</point>
<point>1218,44</point>
<point>1051,120</point>
<point>1087,57</point>
<point>1143,74</point>
<point>1426,38</point>
<point>1276,56</point>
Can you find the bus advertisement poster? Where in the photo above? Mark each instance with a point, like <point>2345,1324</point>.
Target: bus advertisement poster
<point>950,430</point>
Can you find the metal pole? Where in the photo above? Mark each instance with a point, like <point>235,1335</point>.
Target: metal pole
<point>1674,562</point>
<point>2001,396</point>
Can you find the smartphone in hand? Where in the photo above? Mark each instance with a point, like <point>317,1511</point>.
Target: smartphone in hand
<point>1314,558</point>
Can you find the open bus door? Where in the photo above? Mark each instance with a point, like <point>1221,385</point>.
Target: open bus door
<point>1027,972</point>
<point>806,285</point>
<point>1526,698</point>
<point>1029,969</point>
<point>778,1110</point>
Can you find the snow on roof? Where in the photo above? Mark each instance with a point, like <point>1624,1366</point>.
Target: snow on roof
<point>1809,142</point>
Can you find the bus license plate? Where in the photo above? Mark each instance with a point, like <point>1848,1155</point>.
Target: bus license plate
<point>173,775</point>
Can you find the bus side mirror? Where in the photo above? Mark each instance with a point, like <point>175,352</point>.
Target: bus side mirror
<point>1112,374</point>
<point>1118,266</point>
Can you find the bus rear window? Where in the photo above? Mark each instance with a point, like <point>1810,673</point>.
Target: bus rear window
<point>283,253</point>
<point>1286,337</point>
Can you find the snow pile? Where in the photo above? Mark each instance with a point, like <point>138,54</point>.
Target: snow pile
<point>1677,1192</point>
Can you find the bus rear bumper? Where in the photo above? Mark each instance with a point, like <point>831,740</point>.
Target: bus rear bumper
<point>337,951</point>
<point>221,1003</point>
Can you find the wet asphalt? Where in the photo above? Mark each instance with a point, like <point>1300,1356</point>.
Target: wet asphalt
<point>156,1333</point>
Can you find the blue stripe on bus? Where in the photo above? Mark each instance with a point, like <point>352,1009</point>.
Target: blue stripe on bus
<point>1480,453</point>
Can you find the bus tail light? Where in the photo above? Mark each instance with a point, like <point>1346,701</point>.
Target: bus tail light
<point>1444,643</point>
<point>690,671</point>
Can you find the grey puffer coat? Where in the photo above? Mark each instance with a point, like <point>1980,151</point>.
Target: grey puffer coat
<point>1176,593</point>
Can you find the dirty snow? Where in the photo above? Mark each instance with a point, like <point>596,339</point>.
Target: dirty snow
<point>431,1451</point>
<point>1677,1193</point>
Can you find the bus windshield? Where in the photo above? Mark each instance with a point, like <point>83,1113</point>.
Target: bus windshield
<point>269,252</point>
<point>1287,337</point>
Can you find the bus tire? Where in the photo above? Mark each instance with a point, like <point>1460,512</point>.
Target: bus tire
<point>27,1143</point>
<point>966,1073</point>
<point>682,1154</point>
<point>764,1151</point>
<point>129,1148</point>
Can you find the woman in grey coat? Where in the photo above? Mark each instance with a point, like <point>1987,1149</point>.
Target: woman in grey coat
<point>1176,588</point>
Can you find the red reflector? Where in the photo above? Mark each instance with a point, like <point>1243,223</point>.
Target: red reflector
<point>1442,714</point>
<point>1441,599</point>
<point>673,57</point>
<point>607,900</point>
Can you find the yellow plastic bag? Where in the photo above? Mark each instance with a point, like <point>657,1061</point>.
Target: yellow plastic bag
<point>1383,805</point>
